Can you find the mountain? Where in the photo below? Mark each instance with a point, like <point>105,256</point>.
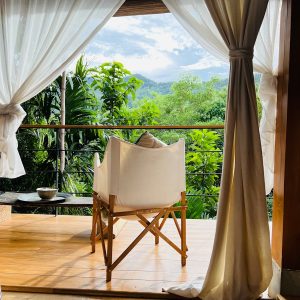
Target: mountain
<point>149,87</point>
<point>224,82</point>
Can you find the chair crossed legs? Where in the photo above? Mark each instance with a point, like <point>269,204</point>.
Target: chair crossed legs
<point>154,227</point>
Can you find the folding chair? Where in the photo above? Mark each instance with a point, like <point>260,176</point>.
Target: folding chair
<point>143,184</point>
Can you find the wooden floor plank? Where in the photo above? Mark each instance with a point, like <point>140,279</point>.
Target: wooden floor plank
<point>38,296</point>
<point>48,252</point>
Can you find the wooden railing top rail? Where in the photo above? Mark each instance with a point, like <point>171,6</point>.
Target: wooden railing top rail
<point>37,126</point>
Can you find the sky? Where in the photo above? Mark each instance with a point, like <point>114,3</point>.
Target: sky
<point>155,46</point>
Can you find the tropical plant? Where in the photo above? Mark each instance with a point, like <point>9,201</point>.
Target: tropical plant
<point>203,165</point>
<point>116,85</point>
<point>143,112</point>
<point>92,96</point>
<point>106,95</point>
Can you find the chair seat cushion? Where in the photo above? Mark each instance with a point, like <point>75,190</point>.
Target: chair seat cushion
<point>148,140</point>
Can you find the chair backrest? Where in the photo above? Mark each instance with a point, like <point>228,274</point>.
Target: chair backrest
<point>141,177</point>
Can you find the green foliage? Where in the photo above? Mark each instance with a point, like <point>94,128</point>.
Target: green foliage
<point>144,113</point>
<point>115,86</point>
<point>107,95</point>
<point>93,96</point>
<point>192,102</point>
<point>203,163</point>
<point>44,107</point>
<point>82,104</point>
<point>150,88</point>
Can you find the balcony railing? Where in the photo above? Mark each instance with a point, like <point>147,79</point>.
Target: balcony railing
<point>40,149</point>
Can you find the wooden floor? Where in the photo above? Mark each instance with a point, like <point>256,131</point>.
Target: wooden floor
<point>52,254</point>
<point>38,296</point>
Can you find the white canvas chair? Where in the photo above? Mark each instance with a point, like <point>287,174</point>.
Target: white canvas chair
<point>141,184</point>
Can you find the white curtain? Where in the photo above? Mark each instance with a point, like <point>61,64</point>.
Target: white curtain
<point>240,266</point>
<point>265,61</point>
<point>38,39</point>
<point>196,19</point>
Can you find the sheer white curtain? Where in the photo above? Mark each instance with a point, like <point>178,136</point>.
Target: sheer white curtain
<point>38,39</point>
<point>265,61</point>
<point>240,266</point>
<point>196,19</point>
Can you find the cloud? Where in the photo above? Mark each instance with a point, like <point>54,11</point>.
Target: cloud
<point>163,33</point>
<point>155,46</point>
<point>147,45</point>
<point>151,62</point>
<point>167,41</point>
<point>206,62</point>
<point>125,25</point>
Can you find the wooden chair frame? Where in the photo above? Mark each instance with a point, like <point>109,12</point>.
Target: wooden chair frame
<point>154,227</point>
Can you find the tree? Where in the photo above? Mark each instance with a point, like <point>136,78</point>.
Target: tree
<point>192,101</point>
<point>92,96</point>
<point>106,95</point>
<point>116,85</point>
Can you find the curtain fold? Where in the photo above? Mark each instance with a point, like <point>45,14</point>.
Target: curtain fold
<point>38,39</point>
<point>265,61</point>
<point>11,117</point>
<point>268,96</point>
<point>240,267</point>
<point>196,19</point>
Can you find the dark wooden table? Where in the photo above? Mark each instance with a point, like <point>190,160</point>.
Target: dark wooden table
<point>12,200</point>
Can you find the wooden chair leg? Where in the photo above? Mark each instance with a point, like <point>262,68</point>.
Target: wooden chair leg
<point>156,235</point>
<point>154,230</point>
<point>94,225</point>
<point>149,226</point>
<point>177,226</point>
<point>101,225</point>
<point>153,227</point>
<point>164,220</point>
<point>109,248</point>
<point>183,229</point>
<point>110,238</point>
<point>98,225</point>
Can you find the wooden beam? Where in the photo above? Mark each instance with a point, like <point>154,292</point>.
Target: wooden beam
<point>286,206</point>
<point>280,139</point>
<point>166,127</point>
<point>141,7</point>
<point>291,228</point>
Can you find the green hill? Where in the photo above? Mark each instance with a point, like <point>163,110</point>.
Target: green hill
<point>224,82</point>
<point>149,87</point>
